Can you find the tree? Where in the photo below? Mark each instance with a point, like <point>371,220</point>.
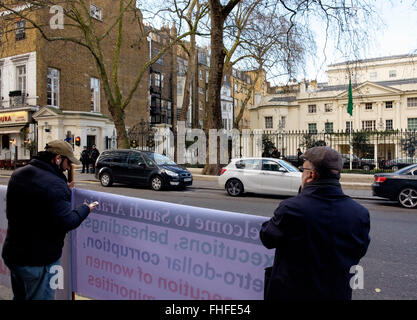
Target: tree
<point>213,118</point>
<point>309,142</point>
<point>409,143</point>
<point>361,144</point>
<point>82,30</point>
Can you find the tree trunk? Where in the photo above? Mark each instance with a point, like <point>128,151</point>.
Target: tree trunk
<point>119,123</point>
<point>213,118</point>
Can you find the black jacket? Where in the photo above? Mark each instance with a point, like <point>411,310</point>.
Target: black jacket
<point>318,235</point>
<point>94,155</point>
<point>84,156</point>
<point>38,208</point>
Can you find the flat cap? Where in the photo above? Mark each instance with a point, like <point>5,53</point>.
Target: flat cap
<point>324,159</point>
<point>62,148</point>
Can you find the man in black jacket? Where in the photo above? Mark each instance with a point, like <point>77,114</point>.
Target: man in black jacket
<point>38,209</point>
<point>94,156</point>
<point>85,160</point>
<point>318,235</point>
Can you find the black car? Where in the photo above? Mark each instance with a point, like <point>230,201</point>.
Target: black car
<point>398,163</point>
<point>398,186</point>
<point>140,168</point>
<point>357,163</point>
<point>293,160</point>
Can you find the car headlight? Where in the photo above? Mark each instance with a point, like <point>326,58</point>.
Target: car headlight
<point>170,173</point>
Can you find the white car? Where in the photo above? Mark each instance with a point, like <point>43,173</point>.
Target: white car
<point>260,175</point>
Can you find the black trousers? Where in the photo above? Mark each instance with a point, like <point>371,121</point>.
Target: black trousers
<point>85,167</point>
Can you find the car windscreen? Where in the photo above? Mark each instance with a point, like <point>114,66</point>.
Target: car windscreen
<point>159,159</point>
<point>288,166</point>
<point>406,169</point>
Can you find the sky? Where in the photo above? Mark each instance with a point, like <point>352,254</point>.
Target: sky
<point>396,36</point>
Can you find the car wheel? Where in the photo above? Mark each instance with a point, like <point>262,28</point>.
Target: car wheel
<point>234,187</point>
<point>394,168</point>
<point>408,198</point>
<point>156,183</point>
<point>366,168</point>
<point>106,180</point>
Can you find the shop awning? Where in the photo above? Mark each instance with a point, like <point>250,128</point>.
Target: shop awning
<point>8,130</point>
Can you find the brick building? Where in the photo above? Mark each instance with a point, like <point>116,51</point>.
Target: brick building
<point>57,86</point>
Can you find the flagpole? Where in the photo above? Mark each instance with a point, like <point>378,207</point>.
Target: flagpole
<point>350,143</point>
<point>350,111</point>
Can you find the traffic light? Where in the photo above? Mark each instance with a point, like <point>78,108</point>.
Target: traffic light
<point>133,143</point>
<point>77,141</point>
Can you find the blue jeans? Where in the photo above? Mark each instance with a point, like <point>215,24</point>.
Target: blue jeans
<point>32,282</point>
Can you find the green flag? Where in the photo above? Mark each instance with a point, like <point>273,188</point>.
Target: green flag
<point>350,101</point>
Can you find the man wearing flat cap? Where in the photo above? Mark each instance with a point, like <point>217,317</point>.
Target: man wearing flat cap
<point>39,214</point>
<point>318,235</point>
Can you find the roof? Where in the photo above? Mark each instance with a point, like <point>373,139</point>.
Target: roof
<point>389,83</point>
<point>402,56</point>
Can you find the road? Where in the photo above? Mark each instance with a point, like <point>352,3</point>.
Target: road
<point>389,266</point>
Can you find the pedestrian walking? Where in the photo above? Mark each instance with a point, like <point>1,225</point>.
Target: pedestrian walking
<point>94,156</point>
<point>85,158</point>
<point>39,214</point>
<point>318,235</point>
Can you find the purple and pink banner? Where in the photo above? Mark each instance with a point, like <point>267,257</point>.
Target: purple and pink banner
<point>131,248</point>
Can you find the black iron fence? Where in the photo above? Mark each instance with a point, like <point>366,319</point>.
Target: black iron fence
<point>372,150</point>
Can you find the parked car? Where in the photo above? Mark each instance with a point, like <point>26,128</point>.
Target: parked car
<point>357,163</point>
<point>140,168</point>
<point>398,163</point>
<point>398,186</point>
<point>260,175</point>
<point>293,160</point>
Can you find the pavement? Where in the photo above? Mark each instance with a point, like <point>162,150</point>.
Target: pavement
<point>357,186</point>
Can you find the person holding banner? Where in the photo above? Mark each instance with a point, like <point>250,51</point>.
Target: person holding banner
<point>39,214</point>
<point>318,235</point>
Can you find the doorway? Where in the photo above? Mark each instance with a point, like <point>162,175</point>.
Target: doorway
<point>91,140</point>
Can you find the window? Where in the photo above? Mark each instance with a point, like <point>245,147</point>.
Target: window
<point>179,88</point>
<point>162,81</point>
<point>95,12</point>
<point>312,108</point>
<point>388,105</point>
<point>368,106</point>
<point>269,123</point>
<point>393,73</point>
<point>283,122</point>
<point>249,164</point>
<point>369,125</point>
<point>1,34</point>
<point>236,103</point>
<point>161,58</point>
<point>328,107</point>
<point>411,102</point>
<point>412,123</point>
<point>312,128</point>
<point>373,75</point>
<point>95,94</point>
<point>348,126</point>
<point>328,127</point>
<point>52,87</point>
<point>389,125</point>
<point>157,80</point>
<point>21,78</point>
<point>136,159</point>
<point>200,90</point>
<point>236,87</point>
<point>20,30</point>
<point>201,74</point>
<point>269,165</point>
